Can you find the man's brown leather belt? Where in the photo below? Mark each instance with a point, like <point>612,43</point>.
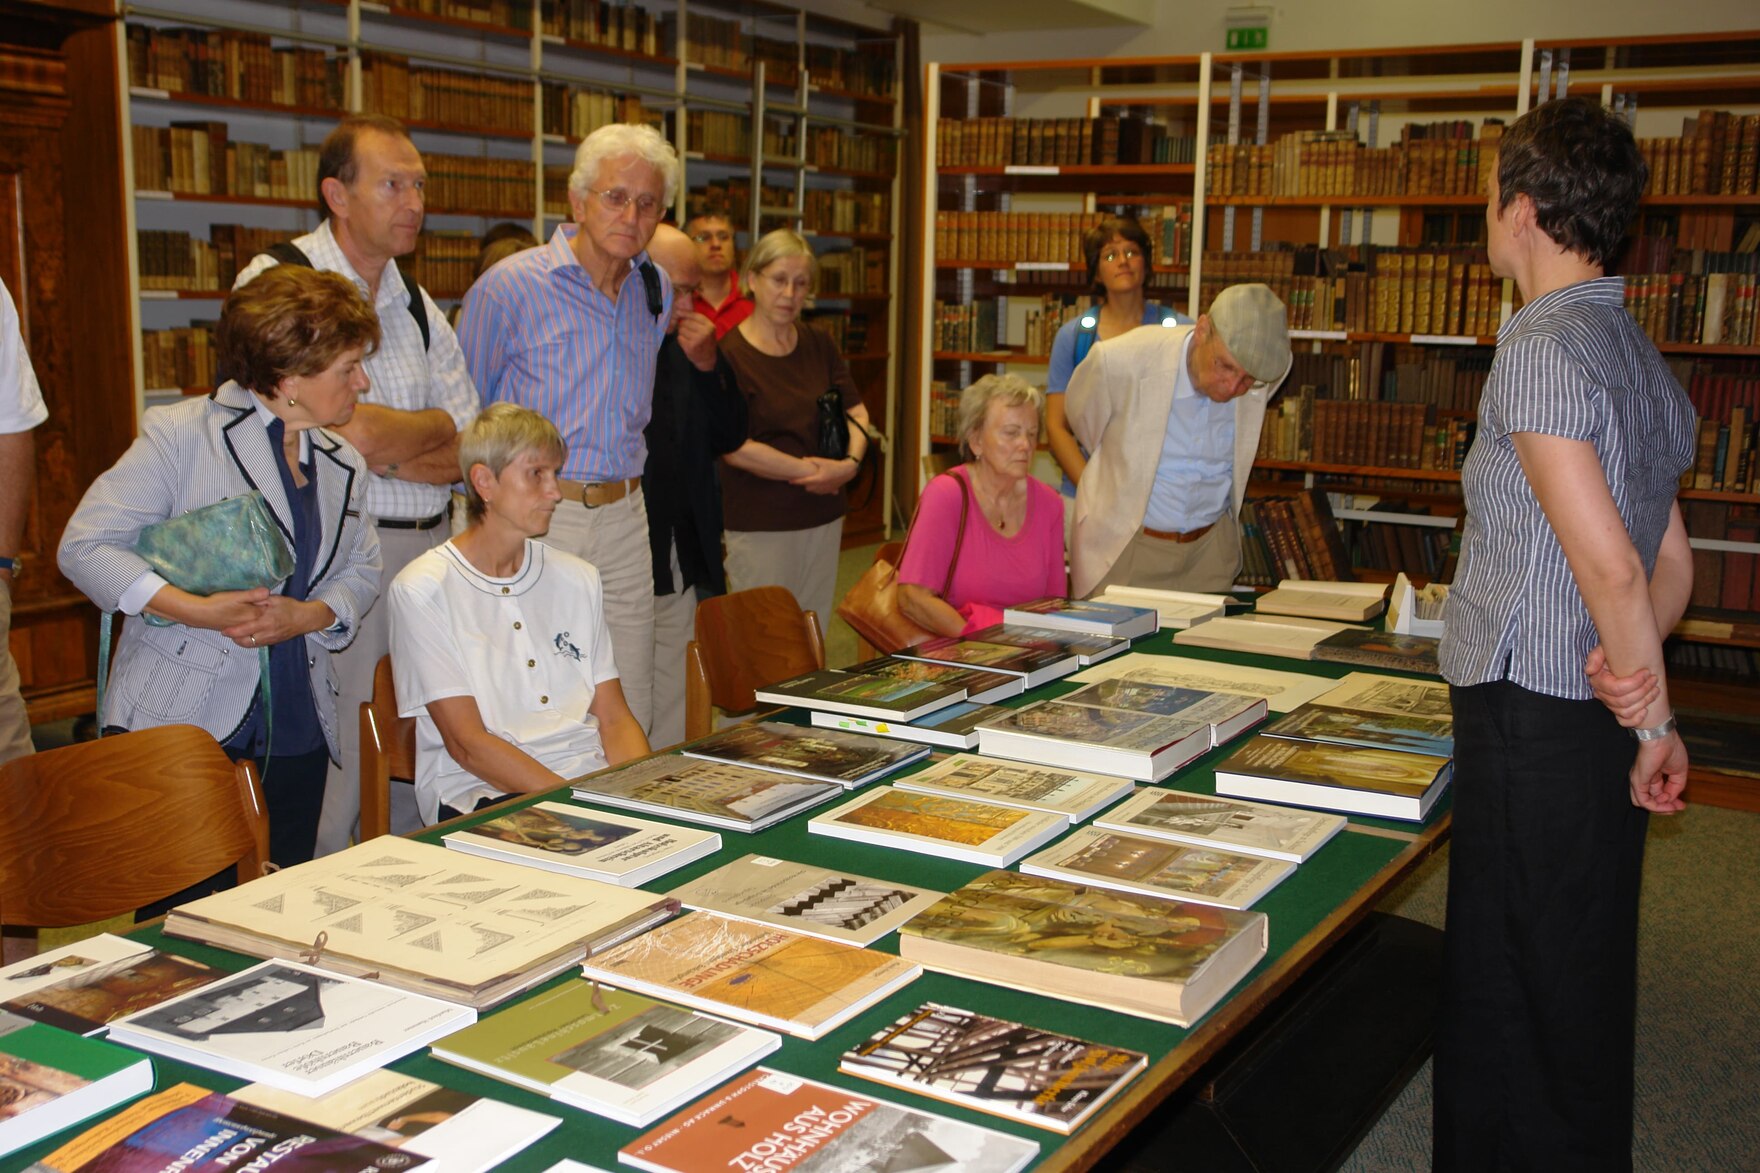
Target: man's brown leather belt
<point>1168,535</point>
<point>593,494</point>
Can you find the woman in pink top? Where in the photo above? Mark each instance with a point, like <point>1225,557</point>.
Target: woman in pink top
<point>1012,548</point>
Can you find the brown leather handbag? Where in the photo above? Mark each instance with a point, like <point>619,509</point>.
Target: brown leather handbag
<point>871,606</point>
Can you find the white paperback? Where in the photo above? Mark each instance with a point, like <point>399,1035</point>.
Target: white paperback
<point>1156,867</point>
<point>1275,831</point>
<point>1350,602</point>
<point>1076,796</point>
<point>936,824</point>
<point>292,1026</point>
<point>1175,609</point>
<point>1287,636</point>
<point>595,845</point>
<point>1113,741</point>
<point>820,902</point>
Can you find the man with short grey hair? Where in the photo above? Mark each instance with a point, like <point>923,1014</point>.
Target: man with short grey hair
<point>1172,418</point>
<point>572,330</point>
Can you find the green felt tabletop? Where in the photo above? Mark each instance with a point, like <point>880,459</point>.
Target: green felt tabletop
<point>1343,875</point>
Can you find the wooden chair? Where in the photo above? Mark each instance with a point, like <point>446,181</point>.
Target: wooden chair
<point>388,750</point>
<point>103,828</point>
<point>745,641</point>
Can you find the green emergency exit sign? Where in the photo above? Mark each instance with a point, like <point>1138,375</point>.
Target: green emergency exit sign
<point>1248,38</point>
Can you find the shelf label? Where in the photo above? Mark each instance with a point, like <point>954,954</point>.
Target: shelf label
<point>1041,266</point>
<point>1446,339</point>
<point>1024,169</point>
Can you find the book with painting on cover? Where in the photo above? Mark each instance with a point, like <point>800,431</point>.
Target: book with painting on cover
<point>980,686</point>
<point>189,1129</point>
<point>820,902</point>
<point>1350,602</point>
<point>1076,796</point>
<point>1400,696</point>
<point>1089,737</point>
<point>1284,636</point>
<point>423,918</point>
<point>609,1052</point>
<point>1282,691</point>
<point>848,759</point>
<point>1170,960</point>
<point>714,794</point>
<point>831,691</point>
<point>558,837</point>
<point>1174,609</point>
<point>1364,727</point>
<point>777,1122</point>
<point>1276,831</point>
<point>936,824</point>
<point>769,977</point>
<point>986,1064</point>
<point>51,1080</point>
<point>1086,617</point>
<point>1227,714</point>
<point>1087,649</point>
<point>1384,783</point>
<point>955,727</point>
<point>83,986</point>
<point>292,1026</point>
<point>1157,867</point>
<point>456,1131</point>
<point>1380,649</point>
<point>1034,665</point>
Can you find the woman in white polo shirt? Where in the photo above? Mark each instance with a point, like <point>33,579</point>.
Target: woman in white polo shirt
<point>498,642</point>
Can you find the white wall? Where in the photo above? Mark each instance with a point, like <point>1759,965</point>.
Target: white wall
<point>1196,26</point>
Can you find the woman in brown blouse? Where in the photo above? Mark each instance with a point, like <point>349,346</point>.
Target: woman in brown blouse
<point>783,498</point>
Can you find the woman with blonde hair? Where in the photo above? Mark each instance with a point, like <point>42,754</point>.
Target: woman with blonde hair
<point>784,498</point>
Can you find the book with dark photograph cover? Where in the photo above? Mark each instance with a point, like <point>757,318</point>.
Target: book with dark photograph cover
<point>1279,832</point>
<point>1086,617</point>
<point>1380,649</point>
<point>777,1122</point>
<point>1157,867</point>
<point>981,686</point>
<point>86,985</point>
<point>609,1052</point>
<point>1065,940</point>
<point>863,696</point>
<point>1228,714</point>
<point>804,898</point>
<point>292,1027</point>
<point>575,841</point>
<point>1384,783</point>
<point>51,1080</point>
<point>715,794</point>
<point>1088,737</point>
<point>1038,1077</point>
<point>848,759</point>
<point>1087,649</point>
<point>1034,665</point>
<point>955,727</point>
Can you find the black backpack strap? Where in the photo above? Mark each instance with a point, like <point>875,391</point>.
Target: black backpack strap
<point>288,253</point>
<point>418,308</point>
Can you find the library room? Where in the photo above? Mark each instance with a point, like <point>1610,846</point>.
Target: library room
<point>1244,440</point>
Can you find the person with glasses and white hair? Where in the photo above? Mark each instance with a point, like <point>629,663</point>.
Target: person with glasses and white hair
<point>1171,418</point>
<point>572,330</point>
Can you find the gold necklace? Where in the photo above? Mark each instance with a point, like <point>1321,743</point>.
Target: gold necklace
<point>1000,521</point>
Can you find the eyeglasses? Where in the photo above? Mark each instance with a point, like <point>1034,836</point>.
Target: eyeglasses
<point>1113,255</point>
<point>705,237</point>
<point>617,200</point>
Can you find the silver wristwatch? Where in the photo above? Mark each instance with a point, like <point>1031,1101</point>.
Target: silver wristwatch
<point>1655,732</point>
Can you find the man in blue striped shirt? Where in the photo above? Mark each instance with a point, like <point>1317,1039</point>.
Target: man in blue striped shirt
<point>571,330</point>
<point>1574,566</point>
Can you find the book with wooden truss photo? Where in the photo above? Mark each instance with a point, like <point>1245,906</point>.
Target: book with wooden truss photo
<point>292,1027</point>
<point>937,824</point>
<point>1282,691</point>
<point>558,837</point>
<point>955,727</point>
<point>1086,617</point>
<point>818,755</point>
<point>1388,784</point>
<point>1033,1076</point>
<point>715,794</point>
<point>1349,602</point>
<point>789,982</point>
<point>1279,832</point>
<point>1174,609</point>
<point>609,1052</point>
<point>423,918</point>
<point>51,1080</point>
<point>1091,737</point>
<point>1067,941</point>
<point>83,986</point>
<point>1074,795</point>
<point>805,898</point>
<point>1157,867</point>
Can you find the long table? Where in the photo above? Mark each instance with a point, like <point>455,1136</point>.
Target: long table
<point>1308,914</point>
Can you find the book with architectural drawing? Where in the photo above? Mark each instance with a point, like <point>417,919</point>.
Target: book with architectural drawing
<point>1157,867</point>
<point>1279,832</point>
<point>805,898</point>
<point>1076,796</point>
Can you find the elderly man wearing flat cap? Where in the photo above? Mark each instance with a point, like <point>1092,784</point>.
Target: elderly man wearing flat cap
<point>1172,419</point>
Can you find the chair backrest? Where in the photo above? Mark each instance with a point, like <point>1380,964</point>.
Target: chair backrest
<point>746,640</point>
<point>936,463</point>
<point>103,828</point>
<point>388,750</point>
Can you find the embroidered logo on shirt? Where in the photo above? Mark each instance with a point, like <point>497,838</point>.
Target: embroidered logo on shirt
<point>564,648</point>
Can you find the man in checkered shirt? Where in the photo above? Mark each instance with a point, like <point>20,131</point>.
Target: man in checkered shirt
<point>370,180</point>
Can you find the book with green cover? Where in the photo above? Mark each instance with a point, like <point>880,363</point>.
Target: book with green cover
<point>980,685</point>
<point>609,1052</point>
<point>821,755</point>
<point>51,1080</point>
<point>863,696</point>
